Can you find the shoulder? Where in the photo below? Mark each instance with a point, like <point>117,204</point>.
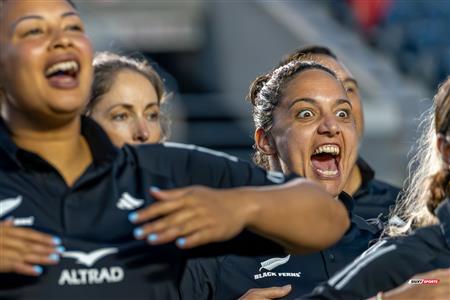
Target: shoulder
<point>190,165</point>
<point>384,266</point>
<point>375,198</point>
<point>383,187</point>
<point>390,259</point>
<point>179,152</point>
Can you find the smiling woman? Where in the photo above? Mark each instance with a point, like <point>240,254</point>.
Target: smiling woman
<point>61,173</point>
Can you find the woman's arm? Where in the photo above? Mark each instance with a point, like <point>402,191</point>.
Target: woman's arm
<point>300,215</point>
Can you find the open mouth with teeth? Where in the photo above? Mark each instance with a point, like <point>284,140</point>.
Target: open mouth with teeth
<point>63,74</point>
<point>325,161</point>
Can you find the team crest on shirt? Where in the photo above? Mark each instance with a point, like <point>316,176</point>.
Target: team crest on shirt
<point>10,204</point>
<point>89,275</point>
<point>269,265</point>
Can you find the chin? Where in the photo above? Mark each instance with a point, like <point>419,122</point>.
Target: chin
<point>68,104</point>
<point>331,187</point>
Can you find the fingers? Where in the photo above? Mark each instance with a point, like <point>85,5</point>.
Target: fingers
<point>27,270</point>
<point>23,250</point>
<point>25,240</point>
<point>168,194</point>
<point>267,293</point>
<point>32,236</point>
<point>178,220</point>
<point>29,258</point>
<point>197,238</point>
<point>155,210</point>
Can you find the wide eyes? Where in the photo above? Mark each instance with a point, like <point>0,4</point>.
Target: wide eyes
<point>343,114</point>
<point>305,113</point>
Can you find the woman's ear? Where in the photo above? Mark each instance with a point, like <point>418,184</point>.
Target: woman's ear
<point>443,146</point>
<point>264,142</point>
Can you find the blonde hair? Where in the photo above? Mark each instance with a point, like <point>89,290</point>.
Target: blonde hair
<point>106,67</point>
<point>427,182</point>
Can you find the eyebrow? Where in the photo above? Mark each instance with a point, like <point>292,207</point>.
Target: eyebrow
<point>352,80</point>
<point>344,101</point>
<point>314,102</point>
<point>130,106</point>
<point>37,17</point>
<point>307,100</point>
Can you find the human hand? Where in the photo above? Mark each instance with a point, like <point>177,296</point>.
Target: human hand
<point>24,250</point>
<point>192,216</point>
<point>267,293</point>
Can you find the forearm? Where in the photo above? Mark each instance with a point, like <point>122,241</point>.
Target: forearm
<point>300,215</point>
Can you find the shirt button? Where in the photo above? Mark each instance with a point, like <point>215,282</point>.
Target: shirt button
<point>332,257</point>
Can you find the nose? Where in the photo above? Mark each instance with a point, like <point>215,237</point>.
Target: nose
<point>141,132</point>
<point>60,40</point>
<point>329,126</point>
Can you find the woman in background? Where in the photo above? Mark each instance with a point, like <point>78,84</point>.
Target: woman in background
<point>126,100</point>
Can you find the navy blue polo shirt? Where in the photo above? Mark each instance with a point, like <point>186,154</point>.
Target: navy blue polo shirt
<point>231,276</point>
<point>391,262</point>
<point>102,258</point>
<point>374,197</point>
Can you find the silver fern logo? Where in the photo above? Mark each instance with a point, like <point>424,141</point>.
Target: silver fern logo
<point>272,263</point>
<point>128,202</point>
<point>8,205</point>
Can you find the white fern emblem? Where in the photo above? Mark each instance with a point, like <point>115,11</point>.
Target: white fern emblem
<point>272,263</point>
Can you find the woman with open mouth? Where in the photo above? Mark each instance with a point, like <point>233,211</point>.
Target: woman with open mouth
<point>304,124</point>
<point>77,217</point>
<point>422,244</point>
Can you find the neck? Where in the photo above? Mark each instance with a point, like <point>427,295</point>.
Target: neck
<point>63,147</point>
<point>354,181</point>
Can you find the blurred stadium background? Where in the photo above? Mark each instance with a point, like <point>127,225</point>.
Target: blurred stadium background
<point>210,51</point>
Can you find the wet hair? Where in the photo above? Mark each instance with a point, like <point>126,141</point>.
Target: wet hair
<point>307,52</point>
<point>106,67</point>
<point>265,93</point>
<point>428,180</point>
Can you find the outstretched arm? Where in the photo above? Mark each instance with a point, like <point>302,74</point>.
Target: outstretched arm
<point>300,215</point>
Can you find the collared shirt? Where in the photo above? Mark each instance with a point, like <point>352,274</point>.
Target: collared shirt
<point>231,276</point>
<point>374,197</point>
<point>102,259</point>
<point>391,262</point>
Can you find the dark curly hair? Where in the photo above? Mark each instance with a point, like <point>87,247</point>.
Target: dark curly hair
<point>265,93</point>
